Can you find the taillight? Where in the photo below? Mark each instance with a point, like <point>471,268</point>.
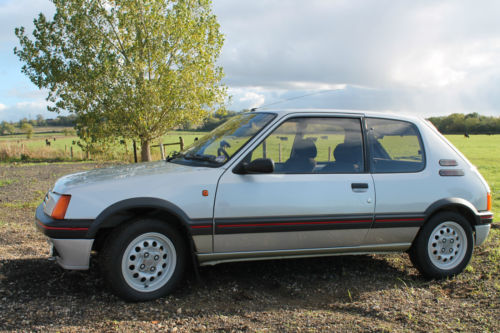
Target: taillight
<point>61,206</point>
<point>488,201</point>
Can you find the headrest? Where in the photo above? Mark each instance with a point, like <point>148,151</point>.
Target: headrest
<point>306,148</point>
<point>347,153</point>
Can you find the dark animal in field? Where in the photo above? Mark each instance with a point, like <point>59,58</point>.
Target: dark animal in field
<point>466,135</point>
<point>54,138</point>
<point>47,142</point>
<point>73,142</point>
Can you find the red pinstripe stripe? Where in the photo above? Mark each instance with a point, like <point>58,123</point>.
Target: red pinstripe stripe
<point>200,226</point>
<point>399,220</point>
<point>61,228</point>
<point>289,223</point>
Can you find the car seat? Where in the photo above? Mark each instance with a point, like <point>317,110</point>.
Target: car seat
<point>348,157</point>
<point>302,159</point>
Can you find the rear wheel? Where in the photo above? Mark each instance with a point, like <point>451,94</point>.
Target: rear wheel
<point>144,260</point>
<point>444,246</point>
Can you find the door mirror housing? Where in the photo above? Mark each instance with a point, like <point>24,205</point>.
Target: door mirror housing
<point>260,165</point>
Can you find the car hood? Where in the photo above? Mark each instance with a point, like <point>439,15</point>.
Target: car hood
<point>118,173</point>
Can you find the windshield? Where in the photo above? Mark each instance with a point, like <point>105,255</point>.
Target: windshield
<point>218,146</point>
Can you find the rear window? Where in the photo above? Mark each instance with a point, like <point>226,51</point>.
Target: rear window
<point>395,146</point>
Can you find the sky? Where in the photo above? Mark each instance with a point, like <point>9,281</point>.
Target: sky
<point>421,57</point>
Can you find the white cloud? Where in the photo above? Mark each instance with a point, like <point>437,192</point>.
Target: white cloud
<point>25,109</point>
<point>429,57</point>
<point>417,55</point>
<point>255,100</point>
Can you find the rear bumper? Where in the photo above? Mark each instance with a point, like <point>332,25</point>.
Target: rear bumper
<point>70,244</point>
<point>485,217</point>
<point>482,227</point>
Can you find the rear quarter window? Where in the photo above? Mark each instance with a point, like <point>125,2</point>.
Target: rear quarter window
<point>395,146</point>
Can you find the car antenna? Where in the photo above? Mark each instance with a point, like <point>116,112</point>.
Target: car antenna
<point>293,98</point>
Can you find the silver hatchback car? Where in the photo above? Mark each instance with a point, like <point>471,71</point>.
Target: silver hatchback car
<point>274,184</point>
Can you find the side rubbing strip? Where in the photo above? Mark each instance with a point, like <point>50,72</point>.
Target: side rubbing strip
<point>398,221</point>
<point>292,223</point>
<point>201,227</point>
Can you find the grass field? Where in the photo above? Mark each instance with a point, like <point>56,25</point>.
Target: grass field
<point>14,147</point>
<point>370,293</point>
<point>484,152</point>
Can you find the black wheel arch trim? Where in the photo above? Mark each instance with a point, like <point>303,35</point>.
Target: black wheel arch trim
<point>462,203</point>
<point>102,220</point>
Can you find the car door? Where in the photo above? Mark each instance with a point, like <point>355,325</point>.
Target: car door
<point>398,165</point>
<point>319,195</point>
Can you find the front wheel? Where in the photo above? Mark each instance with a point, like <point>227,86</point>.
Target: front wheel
<point>144,260</point>
<point>444,246</point>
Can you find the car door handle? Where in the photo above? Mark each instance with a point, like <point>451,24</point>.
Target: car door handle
<point>359,186</point>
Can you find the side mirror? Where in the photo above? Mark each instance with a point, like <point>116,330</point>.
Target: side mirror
<point>260,165</point>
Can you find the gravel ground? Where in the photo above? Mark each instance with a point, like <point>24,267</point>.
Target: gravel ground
<point>349,293</point>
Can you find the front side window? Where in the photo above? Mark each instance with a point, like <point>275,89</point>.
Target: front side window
<point>218,146</point>
<point>314,145</point>
<point>395,146</point>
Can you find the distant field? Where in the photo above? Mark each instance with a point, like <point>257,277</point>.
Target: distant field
<point>12,147</point>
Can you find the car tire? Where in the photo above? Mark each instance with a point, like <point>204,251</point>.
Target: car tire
<point>443,247</point>
<point>144,260</point>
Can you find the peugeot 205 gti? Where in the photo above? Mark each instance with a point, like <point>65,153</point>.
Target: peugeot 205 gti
<point>274,184</point>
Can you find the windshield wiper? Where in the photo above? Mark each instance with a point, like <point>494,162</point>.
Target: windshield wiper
<point>198,157</point>
<point>173,155</point>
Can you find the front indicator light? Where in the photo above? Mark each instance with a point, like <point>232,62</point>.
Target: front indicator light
<point>61,206</point>
<point>488,201</point>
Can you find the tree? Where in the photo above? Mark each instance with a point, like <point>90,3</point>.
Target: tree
<point>40,120</point>
<point>472,123</point>
<point>129,68</point>
<point>6,128</point>
<point>28,129</point>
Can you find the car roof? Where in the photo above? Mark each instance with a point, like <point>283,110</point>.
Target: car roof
<point>399,115</point>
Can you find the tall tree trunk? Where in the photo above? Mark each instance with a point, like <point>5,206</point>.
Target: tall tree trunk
<point>145,150</point>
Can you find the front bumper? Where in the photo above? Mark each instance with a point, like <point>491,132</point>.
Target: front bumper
<point>481,233</point>
<point>71,247</point>
<point>72,254</point>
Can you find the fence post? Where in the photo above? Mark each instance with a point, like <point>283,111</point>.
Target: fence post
<point>264,149</point>
<point>135,151</point>
<point>181,143</point>
<point>279,152</point>
<point>329,153</point>
<point>71,151</point>
<point>162,151</point>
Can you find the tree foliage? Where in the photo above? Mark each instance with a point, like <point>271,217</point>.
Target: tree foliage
<point>7,128</point>
<point>129,68</point>
<point>471,123</point>
<point>28,129</point>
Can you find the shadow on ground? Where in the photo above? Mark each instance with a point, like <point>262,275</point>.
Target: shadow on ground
<point>33,288</point>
